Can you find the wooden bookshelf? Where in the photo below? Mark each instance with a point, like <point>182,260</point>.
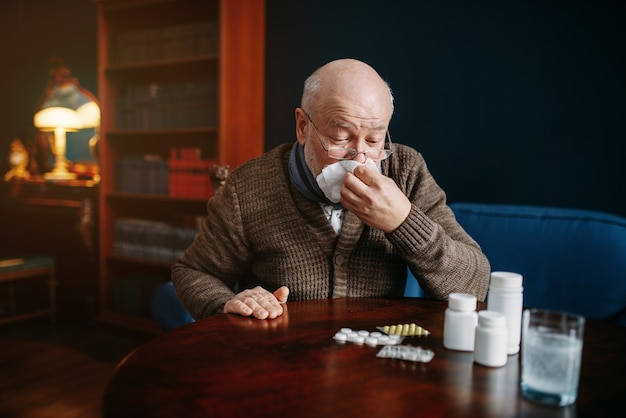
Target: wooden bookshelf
<point>173,75</point>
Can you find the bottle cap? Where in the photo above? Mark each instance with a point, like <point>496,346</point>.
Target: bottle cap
<point>491,318</point>
<point>462,302</point>
<point>505,279</point>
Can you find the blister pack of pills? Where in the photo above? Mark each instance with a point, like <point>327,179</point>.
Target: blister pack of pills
<point>406,352</point>
<point>365,337</point>
<point>405,330</point>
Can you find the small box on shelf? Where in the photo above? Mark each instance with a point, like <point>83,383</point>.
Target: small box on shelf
<point>189,175</point>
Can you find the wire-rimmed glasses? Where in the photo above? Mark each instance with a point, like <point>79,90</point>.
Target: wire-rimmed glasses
<point>339,153</point>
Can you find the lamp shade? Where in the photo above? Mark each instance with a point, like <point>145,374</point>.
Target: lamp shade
<point>51,118</point>
<point>89,114</point>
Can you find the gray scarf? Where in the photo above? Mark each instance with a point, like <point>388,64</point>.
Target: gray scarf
<point>302,178</point>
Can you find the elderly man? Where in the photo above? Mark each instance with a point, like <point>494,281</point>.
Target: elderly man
<point>340,213</point>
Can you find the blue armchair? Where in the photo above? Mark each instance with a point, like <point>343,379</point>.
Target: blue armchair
<point>167,311</point>
<point>571,259</point>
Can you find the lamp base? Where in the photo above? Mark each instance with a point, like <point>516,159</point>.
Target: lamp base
<point>59,176</point>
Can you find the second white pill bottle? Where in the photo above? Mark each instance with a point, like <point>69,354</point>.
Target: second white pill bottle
<point>459,325</point>
<point>490,348</point>
<point>506,296</point>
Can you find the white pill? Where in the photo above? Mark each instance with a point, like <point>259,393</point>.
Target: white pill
<point>340,336</point>
<point>371,341</point>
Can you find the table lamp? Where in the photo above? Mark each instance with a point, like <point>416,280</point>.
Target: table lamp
<point>65,107</point>
<point>59,120</point>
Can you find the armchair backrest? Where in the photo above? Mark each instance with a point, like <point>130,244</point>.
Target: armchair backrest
<point>571,259</point>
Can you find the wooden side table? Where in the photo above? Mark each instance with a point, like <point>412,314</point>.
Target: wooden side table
<point>15,269</point>
<point>59,220</point>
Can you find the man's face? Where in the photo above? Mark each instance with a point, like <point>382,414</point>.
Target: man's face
<point>342,136</point>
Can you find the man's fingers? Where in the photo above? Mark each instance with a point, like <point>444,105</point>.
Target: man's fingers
<point>258,303</point>
<point>282,294</point>
<point>238,307</point>
<point>365,173</point>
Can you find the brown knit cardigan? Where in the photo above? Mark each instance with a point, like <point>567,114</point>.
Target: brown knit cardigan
<point>261,231</point>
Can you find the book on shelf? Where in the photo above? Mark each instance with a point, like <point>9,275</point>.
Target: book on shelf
<point>151,240</point>
<point>164,43</point>
<point>167,105</point>
<point>146,174</point>
<point>189,174</point>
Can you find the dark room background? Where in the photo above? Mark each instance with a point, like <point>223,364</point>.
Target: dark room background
<point>509,101</point>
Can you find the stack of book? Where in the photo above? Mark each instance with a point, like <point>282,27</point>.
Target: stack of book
<point>164,43</point>
<point>167,105</point>
<point>189,174</point>
<point>151,240</point>
<point>144,174</point>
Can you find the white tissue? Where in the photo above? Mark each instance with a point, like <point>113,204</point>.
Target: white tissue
<point>331,178</point>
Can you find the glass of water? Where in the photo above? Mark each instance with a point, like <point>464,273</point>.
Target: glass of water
<point>552,345</point>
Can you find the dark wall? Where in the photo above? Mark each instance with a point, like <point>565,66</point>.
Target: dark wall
<point>509,101</point>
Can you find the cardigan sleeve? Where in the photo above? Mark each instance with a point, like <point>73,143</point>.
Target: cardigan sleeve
<point>440,254</point>
<point>206,274</point>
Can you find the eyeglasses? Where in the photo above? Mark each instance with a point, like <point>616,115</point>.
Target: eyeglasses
<point>339,153</point>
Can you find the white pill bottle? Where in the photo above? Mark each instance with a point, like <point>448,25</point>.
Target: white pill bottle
<point>490,348</point>
<point>459,324</point>
<point>506,296</point>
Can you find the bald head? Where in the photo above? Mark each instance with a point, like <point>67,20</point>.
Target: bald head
<point>348,83</point>
<point>345,104</point>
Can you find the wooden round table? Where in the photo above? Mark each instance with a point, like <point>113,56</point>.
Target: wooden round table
<point>229,366</point>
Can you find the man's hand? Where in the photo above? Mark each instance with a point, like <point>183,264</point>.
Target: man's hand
<point>375,199</point>
<point>258,303</point>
